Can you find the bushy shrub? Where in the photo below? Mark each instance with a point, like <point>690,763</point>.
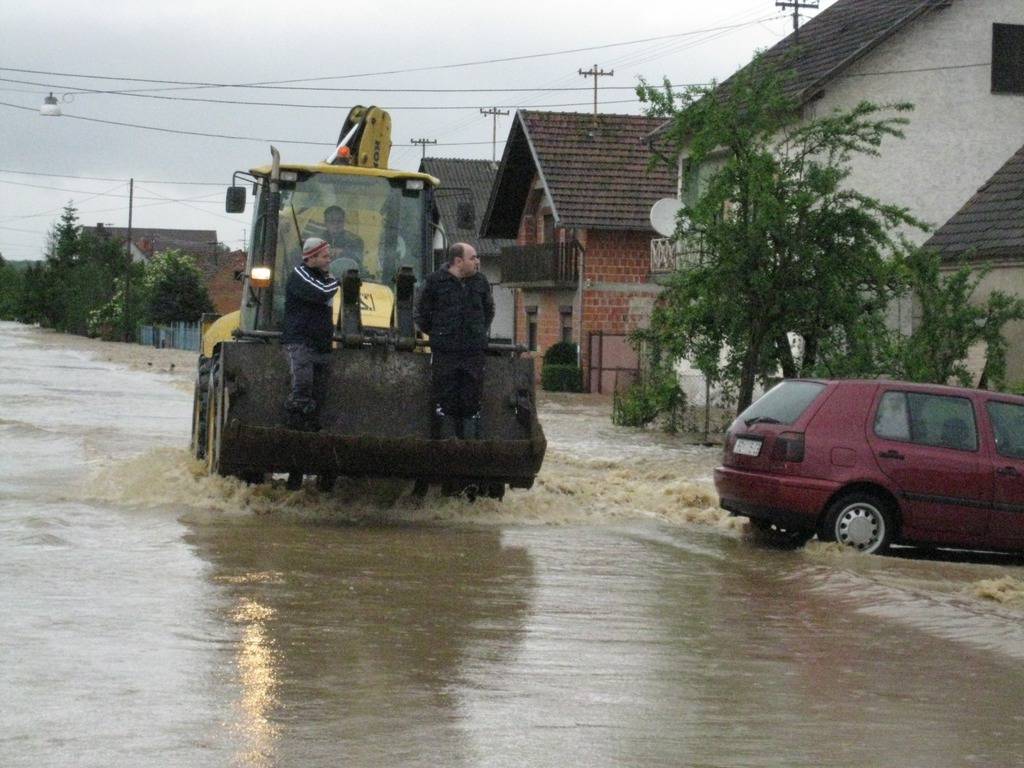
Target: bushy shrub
<point>656,393</point>
<point>562,353</point>
<point>556,377</point>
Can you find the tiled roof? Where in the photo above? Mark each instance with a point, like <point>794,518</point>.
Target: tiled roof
<point>465,181</point>
<point>153,240</point>
<point>594,168</point>
<point>839,36</point>
<point>991,223</point>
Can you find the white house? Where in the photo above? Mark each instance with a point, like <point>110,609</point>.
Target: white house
<point>959,62</point>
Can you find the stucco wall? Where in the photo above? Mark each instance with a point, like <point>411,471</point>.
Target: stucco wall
<point>960,132</point>
<point>1007,277</point>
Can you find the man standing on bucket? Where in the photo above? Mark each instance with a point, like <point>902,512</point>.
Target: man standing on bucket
<point>456,309</point>
<point>308,331</point>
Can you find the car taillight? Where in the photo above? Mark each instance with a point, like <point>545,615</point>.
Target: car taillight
<point>789,446</point>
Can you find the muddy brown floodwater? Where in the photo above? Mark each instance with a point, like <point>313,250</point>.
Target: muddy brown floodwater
<point>610,616</point>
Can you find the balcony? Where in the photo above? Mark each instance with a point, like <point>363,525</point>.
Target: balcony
<point>669,255</point>
<point>547,265</point>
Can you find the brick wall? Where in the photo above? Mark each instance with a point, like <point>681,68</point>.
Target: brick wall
<point>219,276</point>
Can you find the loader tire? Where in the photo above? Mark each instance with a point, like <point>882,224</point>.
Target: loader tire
<point>200,399</point>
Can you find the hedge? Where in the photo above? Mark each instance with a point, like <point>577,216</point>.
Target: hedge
<point>561,378</point>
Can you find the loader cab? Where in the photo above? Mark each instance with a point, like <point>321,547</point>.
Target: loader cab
<point>386,227</point>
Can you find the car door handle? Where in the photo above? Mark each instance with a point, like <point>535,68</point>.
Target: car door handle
<point>1008,472</point>
<point>891,454</point>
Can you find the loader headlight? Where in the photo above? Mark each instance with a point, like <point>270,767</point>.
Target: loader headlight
<point>260,277</point>
<point>413,185</point>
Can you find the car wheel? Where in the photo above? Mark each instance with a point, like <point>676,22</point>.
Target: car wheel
<point>775,536</point>
<point>862,521</point>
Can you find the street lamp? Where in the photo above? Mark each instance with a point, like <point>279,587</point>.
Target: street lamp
<point>50,106</point>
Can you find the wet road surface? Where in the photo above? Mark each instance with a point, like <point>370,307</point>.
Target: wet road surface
<point>610,616</point>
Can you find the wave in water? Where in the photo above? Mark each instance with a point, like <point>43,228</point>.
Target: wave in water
<point>566,492</point>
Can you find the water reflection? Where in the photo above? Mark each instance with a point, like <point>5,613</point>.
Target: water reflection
<point>355,642</point>
<point>257,674</point>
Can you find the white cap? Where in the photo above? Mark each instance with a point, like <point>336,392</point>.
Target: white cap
<point>312,246</point>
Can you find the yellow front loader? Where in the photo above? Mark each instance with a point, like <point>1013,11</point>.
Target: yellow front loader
<point>376,420</point>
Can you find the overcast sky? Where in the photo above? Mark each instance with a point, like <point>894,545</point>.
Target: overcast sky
<point>316,46</point>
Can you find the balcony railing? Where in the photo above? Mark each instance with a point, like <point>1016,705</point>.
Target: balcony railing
<point>547,264</point>
<point>669,254</point>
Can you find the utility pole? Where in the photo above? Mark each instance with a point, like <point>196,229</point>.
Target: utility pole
<point>796,5</point>
<point>596,73</point>
<point>128,270</point>
<point>494,112</point>
<point>423,143</point>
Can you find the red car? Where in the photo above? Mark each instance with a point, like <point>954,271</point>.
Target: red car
<point>872,463</point>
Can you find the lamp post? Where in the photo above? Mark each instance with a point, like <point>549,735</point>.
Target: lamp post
<point>51,108</point>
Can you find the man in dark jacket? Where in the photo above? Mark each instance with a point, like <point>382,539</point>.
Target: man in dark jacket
<point>455,309</point>
<point>308,330</point>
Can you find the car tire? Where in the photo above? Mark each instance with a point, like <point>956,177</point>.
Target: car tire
<point>775,536</point>
<point>863,521</point>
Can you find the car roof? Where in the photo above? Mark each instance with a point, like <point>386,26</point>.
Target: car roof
<point>917,386</point>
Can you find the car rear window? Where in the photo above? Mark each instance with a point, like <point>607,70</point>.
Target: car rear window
<point>782,404</point>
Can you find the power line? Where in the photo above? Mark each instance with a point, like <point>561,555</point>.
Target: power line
<point>282,84</point>
<point>263,139</point>
<point>139,94</point>
<point>104,194</point>
<point>289,105</point>
<point>106,178</point>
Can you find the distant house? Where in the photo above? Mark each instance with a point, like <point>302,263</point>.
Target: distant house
<point>221,272</point>
<point>147,241</point>
<point>959,62</point>
<point>989,229</point>
<point>461,202</point>
<point>575,192</point>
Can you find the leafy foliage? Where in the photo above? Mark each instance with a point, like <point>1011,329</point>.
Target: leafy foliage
<point>173,289</point>
<point>786,246</point>
<point>562,353</point>
<point>557,377</point>
<point>951,324</point>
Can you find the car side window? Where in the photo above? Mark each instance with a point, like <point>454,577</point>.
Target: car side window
<point>939,420</point>
<point>1008,428</point>
<point>943,421</point>
<point>892,419</point>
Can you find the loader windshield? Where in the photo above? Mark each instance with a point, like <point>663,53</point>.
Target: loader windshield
<point>374,224</point>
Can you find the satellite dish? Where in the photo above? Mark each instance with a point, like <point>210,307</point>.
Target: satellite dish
<point>663,215</point>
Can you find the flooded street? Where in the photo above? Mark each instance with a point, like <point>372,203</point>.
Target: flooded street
<point>610,616</point>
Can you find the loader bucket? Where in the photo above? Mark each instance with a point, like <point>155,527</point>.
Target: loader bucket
<point>376,421</point>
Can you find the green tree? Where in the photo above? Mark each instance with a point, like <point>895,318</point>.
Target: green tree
<point>173,289</point>
<point>10,290</point>
<point>950,324</point>
<point>786,246</point>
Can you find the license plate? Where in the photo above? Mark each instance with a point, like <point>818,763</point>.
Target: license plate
<point>746,447</point>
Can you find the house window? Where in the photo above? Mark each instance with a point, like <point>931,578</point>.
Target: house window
<point>549,228</point>
<point>565,323</point>
<point>531,329</point>
<point>1008,58</point>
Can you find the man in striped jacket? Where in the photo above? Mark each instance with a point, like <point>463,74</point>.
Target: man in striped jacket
<point>307,334</point>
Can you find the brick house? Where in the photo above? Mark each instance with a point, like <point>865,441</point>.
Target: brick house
<point>575,191</point>
<point>220,276</point>
<point>989,229</point>
<point>147,241</point>
<point>460,203</point>
<point>217,266</point>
